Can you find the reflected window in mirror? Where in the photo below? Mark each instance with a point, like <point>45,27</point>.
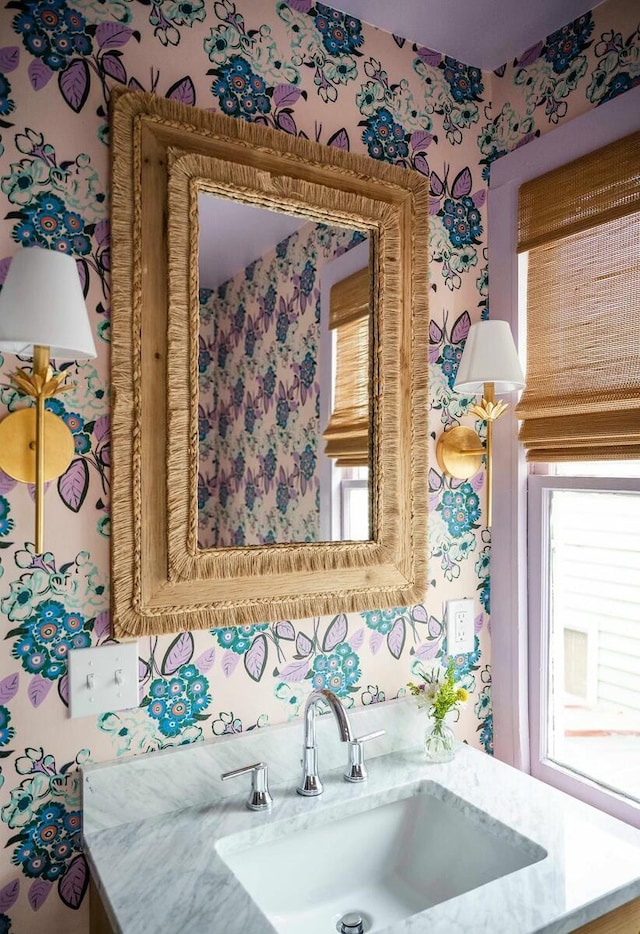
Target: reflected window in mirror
<point>264,387</point>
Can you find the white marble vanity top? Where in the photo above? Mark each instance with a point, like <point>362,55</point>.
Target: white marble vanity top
<point>152,825</point>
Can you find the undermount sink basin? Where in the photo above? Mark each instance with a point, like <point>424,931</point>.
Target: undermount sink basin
<point>385,859</point>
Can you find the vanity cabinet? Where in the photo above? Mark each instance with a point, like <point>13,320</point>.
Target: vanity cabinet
<point>98,921</point>
<point>624,920</point>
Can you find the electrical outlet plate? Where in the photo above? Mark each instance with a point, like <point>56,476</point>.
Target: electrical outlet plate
<point>460,628</point>
<point>103,679</point>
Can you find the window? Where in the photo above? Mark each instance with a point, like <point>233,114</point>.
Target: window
<point>526,733</point>
<point>579,227</point>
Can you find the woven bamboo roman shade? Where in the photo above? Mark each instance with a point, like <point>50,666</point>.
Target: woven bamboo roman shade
<point>347,434</point>
<point>581,227</point>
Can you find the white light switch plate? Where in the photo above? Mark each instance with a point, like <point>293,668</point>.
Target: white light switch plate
<point>103,678</point>
<point>460,629</point>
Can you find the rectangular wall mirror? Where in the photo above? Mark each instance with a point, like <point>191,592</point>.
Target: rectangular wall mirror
<point>269,371</point>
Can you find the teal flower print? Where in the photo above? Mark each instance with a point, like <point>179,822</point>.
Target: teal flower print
<point>564,45</point>
<point>240,91</point>
<point>52,31</point>
<point>6,732</point>
<point>460,509</point>
<point>48,841</point>
<point>45,638</point>
<point>6,524</point>
<point>461,220</point>
<point>237,638</point>
<point>385,139</point>
<point>338,672</point>
<point>382,620</point>
<point>341,33</point>
<point>177,703</point>
<point>464,82</point>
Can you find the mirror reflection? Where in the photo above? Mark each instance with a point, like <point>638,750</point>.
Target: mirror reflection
<point>284,377</point>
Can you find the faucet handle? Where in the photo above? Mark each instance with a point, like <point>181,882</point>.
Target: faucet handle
<point>259,799</point>
<point>356,771</point>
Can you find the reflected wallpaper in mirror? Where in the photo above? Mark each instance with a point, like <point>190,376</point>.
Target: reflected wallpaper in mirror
<point>267,376</point>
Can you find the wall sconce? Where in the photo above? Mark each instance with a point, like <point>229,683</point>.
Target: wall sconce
<point>489,365</point>
<point>42,315</point>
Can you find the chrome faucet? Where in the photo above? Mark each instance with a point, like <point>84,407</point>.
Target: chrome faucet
<point>311,784</point>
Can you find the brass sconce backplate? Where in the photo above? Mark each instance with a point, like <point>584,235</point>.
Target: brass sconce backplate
<point>18,446</point>
<point>457,452</point>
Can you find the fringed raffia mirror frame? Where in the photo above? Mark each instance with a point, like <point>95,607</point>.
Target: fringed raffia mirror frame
<point>164,153</point>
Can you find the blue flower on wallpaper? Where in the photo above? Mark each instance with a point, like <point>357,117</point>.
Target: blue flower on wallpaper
<point>465,82</point>
<point>48,841</point>
<point>6,524</point>
<point>175,703</point>
<point>241,92</point>
<point>52,31</point>
<point>460,509</point>
<point>6,732</point>
<point>618,85</point>
<point>5,924</point>
<point>451,357</point>
<point>308,462</point>
<point>308,370</point>
<point>237,638</point>
<point>461,219</point>
<point>340,32</point>
<point>382,620</point>
<point>338,672</point>
<point>486,734</point>
<point>6,104</point>
<point>385,138</point>
<point>283,411</point>
<point>45,638</point>
<point>307,278</point>
<point>564,45</point>
<point>46,222</point>
<point>282,326</point>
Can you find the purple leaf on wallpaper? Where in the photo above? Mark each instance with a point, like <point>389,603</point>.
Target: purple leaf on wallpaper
<point>7,483</point>
<point>430,56</point>
<point>102,625</point>
<point>396,638</point>
<point>435,627</point>
<point>256,658</point>
<point>302,6</point>
<point>420,140</point>
<point>63,689</point>
<point>83,273</point>
<point>421,165</point>
<point>183,90</point>
<point>73,885</point>
<point>434,353</point>
<point>479,197</point>
<point>460,329</point>
<point>501,70</point>
<point>477,481</point>
<point>112,66</point>
<point>285,95</point>
<point>285,630</point>
<point>39,74</point>
<point>38,689</point>
<point>38,893</point>
<point>434,206</point>
<point>437,185</point>
<point>357,639</point>
<point>204,662</point>
<point>74,83</point>
<point>435,481</point>
<point>9,58</point>
<point>336,633</point>
<point>527,139</point>
<point>462,184</point>
<point>135,85</point>
<point>180,652</point>
<point>340,140</point>
<point>74,483</point>
<point>295,671</point>
<point>9,687</point>
<point>9,894</point>
<point>427,651</point>
<point>477,623</point>
<point>229,663</point>
<point>112,35</point>
<point>286,123</point>
<point>419,614</point>
<point>530,56</point>
<point>102,234</point>
<point>435,332</point>
<point>143,669</point>
<point>375,641</point>
<point>303,644</point>
<point>4,268</point>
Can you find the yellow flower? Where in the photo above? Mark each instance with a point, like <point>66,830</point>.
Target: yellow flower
<point>462,695</point>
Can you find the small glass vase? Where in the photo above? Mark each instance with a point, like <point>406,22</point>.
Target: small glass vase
<point>439,741</point>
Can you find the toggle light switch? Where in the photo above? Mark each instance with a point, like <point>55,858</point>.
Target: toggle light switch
<point>103,679</point>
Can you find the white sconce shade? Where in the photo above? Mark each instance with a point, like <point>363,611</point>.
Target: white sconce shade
<point>42,304</point>
<point>489,356</point>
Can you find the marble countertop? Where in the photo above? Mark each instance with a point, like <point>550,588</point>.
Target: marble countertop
<point>152,825</point>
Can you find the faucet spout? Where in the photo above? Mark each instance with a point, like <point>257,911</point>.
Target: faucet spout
<point>311,784</point>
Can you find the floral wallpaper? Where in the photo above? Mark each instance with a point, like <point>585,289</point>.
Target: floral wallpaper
<point>259,402</point>
<point>303,68</point>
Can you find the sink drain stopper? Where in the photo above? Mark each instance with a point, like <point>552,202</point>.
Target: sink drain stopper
<point>351,923</point>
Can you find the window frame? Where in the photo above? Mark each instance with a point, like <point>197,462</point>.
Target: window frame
<point>509,598</point>
<point>540,489</point>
